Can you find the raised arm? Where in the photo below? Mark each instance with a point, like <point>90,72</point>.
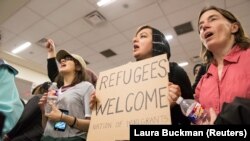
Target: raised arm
<point>51,61</point>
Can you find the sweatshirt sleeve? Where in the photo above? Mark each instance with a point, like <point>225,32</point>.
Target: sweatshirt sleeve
<point>52,69</point>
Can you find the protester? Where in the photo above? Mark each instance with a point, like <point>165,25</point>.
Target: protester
<point>29,126</point>
<point>199,70</point>
<point>226,48</point>
<point>10,103</point>
<point>72,106</point>
<point>149,42</point>
<point>53,69</point>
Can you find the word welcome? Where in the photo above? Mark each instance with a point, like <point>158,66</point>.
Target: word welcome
<point>135,101</point>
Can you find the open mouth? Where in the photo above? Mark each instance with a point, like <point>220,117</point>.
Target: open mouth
<point>136,47</point>
<point>63,65</point>
<point>208,34</point>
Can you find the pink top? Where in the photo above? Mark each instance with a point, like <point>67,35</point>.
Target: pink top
<point>235,81</point>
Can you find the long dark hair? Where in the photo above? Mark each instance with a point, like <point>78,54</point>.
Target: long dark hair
<point>240,37</point>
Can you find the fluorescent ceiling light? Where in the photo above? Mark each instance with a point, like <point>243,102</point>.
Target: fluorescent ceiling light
<point>169,37</point>
<point>183,64</point>
<point>21,48</point>
<point>104,2</point>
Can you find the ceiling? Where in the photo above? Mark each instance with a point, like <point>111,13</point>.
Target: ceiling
<point>63,21</point>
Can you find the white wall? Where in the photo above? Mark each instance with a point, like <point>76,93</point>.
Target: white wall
<point>29,75</point>
<point>26,80</point>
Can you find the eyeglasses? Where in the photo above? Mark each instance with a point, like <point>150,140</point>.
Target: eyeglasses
<point>67,58</point>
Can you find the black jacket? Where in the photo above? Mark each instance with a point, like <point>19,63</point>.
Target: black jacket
<point>236,112</point>
<point>179,77</point>
<point>29,126</point>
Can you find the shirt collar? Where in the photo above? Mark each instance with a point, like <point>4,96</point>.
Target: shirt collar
<point>234,54</point>
<point>232,57</point>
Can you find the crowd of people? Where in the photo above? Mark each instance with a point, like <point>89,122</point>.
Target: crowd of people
<point>222,79</point>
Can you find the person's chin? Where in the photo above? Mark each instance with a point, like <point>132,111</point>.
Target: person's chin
<point>62,70</point>
<point>210,41</point>
<point>210,45</point>
<point>136,55</point>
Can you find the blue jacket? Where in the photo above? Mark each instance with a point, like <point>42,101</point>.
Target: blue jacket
<point>10,103</point>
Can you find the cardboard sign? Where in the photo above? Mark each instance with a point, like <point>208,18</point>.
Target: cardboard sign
<point>135,93</point>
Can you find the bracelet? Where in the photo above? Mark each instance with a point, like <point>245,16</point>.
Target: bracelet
<point>61,116</point>
<point>73,122</point>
